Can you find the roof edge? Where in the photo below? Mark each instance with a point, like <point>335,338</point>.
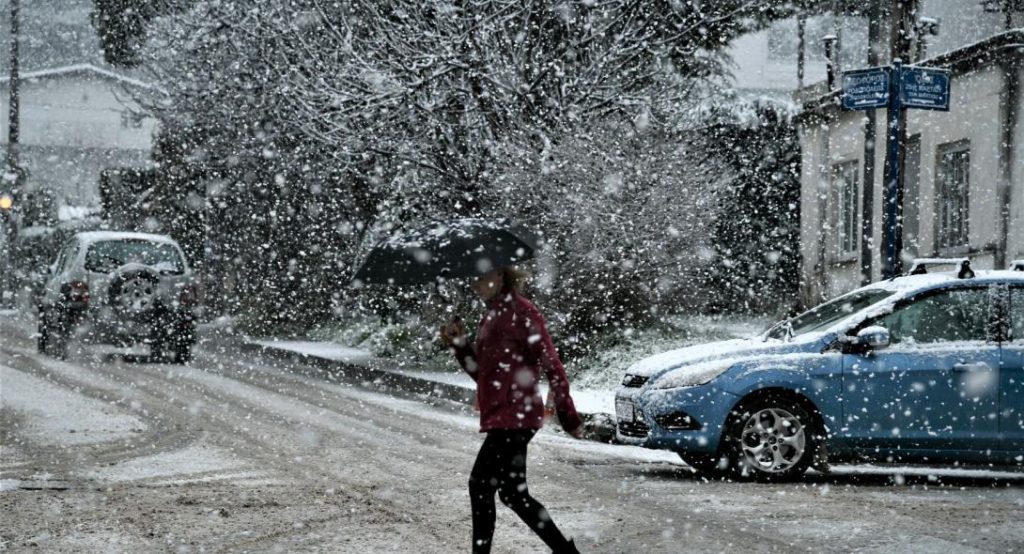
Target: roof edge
<point>83,68</point>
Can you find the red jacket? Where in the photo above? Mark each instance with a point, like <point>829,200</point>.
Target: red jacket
<point>512,346</point>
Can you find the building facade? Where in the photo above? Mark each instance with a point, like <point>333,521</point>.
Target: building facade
<point>766,62</point>
<point>963,174</point>
<point>76,121</point>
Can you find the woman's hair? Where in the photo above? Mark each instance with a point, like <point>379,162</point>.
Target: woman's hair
<point>514,278</point>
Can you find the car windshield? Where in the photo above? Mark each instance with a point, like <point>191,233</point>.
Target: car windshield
<point>824,315</point>
<point>106,256</point>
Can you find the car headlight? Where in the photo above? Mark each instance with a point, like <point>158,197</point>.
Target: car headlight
<point>693,375</point>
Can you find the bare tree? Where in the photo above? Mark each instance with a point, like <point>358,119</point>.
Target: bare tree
<point>333,123</point>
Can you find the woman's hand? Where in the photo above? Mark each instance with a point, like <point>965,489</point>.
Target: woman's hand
<point>563,418</point>
<point>454,334</point>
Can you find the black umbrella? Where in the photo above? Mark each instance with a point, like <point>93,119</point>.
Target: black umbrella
<point>460,248</point>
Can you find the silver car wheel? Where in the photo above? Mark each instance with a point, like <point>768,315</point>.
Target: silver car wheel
<point>137,294</point>
<point>773,440</point>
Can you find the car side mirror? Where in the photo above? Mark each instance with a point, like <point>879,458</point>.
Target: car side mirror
<point>873,338</point>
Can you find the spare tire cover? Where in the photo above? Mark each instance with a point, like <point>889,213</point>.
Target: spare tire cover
<point>133,288</point>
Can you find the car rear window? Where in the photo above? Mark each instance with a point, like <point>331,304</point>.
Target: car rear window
<point>106,256</point>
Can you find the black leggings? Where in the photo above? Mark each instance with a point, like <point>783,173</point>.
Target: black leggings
<point>501,468</point>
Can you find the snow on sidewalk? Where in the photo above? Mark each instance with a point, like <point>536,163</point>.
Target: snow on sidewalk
<point>587,400</point>
<point>326,350</point>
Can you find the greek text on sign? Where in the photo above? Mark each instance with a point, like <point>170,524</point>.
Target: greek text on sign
<point>866,88</point>
<point>926,89</point>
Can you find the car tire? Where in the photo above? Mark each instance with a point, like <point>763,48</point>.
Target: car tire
<point>58,340</point>
<point>705,464</point>
<point>182,354</point>
<point>173,350</point>
<point>772,439</point>
<point>157,351</point>
<point>53,339</point>
<point>134,292</point>
<point>43,340</point>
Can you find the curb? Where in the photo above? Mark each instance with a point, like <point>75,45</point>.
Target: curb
<point>364,373</point>
<point>596,426</point>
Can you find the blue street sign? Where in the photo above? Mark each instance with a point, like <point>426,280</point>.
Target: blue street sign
<point>865,89</point>
<point>926,89</point>
<point>895,88</point>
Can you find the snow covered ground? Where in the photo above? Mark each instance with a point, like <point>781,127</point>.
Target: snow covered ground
<point>239,452</point>
<point>53,415</point>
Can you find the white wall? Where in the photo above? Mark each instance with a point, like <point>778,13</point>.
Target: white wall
<point>1015,238</point>
<point>976,117</point>
<point>79,110</point>
<point>755,70</point>
<point>71,129</point>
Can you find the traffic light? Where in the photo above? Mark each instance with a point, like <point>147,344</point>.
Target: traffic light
<point>6,202</point>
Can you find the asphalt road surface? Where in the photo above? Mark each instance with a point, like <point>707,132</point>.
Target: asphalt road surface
<point>237,453</point>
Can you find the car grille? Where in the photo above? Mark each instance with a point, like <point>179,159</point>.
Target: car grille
<point>634,381</point>
<point>634,429</point>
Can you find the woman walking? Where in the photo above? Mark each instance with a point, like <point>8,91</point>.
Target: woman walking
<point>512,347</point>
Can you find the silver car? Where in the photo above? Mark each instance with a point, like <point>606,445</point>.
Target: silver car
<point>123,289</point>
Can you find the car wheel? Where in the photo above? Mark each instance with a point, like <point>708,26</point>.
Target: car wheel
<point>772,440</point>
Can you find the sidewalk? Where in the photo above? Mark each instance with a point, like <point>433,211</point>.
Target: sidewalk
<point>595,406</point>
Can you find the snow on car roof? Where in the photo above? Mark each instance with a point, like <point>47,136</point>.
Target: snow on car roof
<point>91,237</point>
<point>909,283</point>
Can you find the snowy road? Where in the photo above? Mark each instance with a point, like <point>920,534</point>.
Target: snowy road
<point>233,453</point>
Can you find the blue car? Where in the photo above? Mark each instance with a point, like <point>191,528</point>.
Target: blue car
<point>919,369</point>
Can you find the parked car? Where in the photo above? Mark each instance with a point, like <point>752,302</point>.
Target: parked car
<point>35,248</point>
<point>122,289</point>
<point>923,368</point>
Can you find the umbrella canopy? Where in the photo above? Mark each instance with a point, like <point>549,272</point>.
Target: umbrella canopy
<point>460,248</point>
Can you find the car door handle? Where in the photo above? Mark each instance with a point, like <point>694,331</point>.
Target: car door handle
<point>965,367</point>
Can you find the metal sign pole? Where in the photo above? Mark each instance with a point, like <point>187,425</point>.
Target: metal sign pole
<point>891,209</point>
<point>897,89</point>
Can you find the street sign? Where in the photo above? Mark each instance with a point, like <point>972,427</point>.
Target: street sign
<point>865,89</point>
<point>895,88</point>
<point>926,89</point>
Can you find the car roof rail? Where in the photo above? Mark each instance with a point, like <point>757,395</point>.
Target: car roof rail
<point>964,271</point>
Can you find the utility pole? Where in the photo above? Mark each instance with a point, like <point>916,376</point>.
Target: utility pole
<point>801,49</point>
<point>13,108</point>
<point>11,174</point>
<point>901,29</point>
